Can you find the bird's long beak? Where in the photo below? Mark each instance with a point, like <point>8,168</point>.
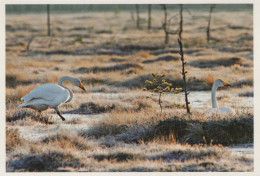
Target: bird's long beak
<point>81,86</point>
<point>226,84</point>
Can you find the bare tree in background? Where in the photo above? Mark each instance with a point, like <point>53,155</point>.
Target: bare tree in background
<point>137,16</point>
<point>149,16</point>
<point>165,25</point>
<point>209,22</point>
<point>48,20</point>
<point>181,22</point>
<point>184,77</point>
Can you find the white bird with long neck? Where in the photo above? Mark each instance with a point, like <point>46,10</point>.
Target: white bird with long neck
<point>222,111</point>
<point>50,95</point>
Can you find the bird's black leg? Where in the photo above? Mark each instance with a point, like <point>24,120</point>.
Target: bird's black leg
<point>58,112</point>
<point>62,118</point>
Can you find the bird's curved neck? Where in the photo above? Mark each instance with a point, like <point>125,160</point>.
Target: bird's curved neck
<point>213,96</point>
<point>60,83</point>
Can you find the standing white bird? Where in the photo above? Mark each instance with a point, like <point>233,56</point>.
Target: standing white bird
<point>223,111</point>
<point>50,95</point>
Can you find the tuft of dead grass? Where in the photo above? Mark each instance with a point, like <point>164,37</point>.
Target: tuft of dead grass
<point>162,58</point>
<point>66,141</point>
<point>91,108</point>
<point>13,139</point>
<point>226,62</point>
<point>223,131</point>
<point>44,162</point>
<point>29,114</point>
<point>142,54</point>
<point>96,69</point>
<point>210,79</point>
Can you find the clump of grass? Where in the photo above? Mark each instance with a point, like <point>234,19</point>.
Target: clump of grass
<point>12,81</point>
<point>173,129</point>
<point>91,107</point>
<point>162,58</point>
<point>229,131</point>
<point>209,79</point>
<point>248,82</point>
<point>120,122</point>
<point>114,59</point>
<point>105,129</point>
<point>46,161</point>
<point>226,62</point>
<point>143,54</point>
<point>17,115</point>
<point>118,157</point>
<point>65,141</point>
<point>13,139</point>
<point>246,94</point>
<point>35,116</point>
<point>96,69</point>
<point>217,131</point>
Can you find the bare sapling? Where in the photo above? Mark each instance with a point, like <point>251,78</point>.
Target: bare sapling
<point>184,77</point>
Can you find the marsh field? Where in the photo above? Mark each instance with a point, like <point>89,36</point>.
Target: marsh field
<point>115,125</point>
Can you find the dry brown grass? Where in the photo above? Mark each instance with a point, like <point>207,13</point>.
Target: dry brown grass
<point>13,139</point>
<point>210,79</point>
<point>15,94</point>
<point>142,54</point>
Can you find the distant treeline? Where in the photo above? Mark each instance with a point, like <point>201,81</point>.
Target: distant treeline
<point>69,8</point>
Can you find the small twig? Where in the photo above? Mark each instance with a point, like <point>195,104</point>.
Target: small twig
<point>160,101</point>
<point>189,12</point>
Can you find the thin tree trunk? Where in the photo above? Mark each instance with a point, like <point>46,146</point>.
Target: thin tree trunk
<point>48,20</point>
<point>184,77</point>
<point>137,17</point>
<point>149,16</point>
<point>181,22</point>
<point>209,22</point>
<point>165,24</point>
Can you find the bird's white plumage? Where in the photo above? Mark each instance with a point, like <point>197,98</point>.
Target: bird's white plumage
<point>215,110</point>
<point>47,94</point>
<point>50,95</point>
<point>223,111</point>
